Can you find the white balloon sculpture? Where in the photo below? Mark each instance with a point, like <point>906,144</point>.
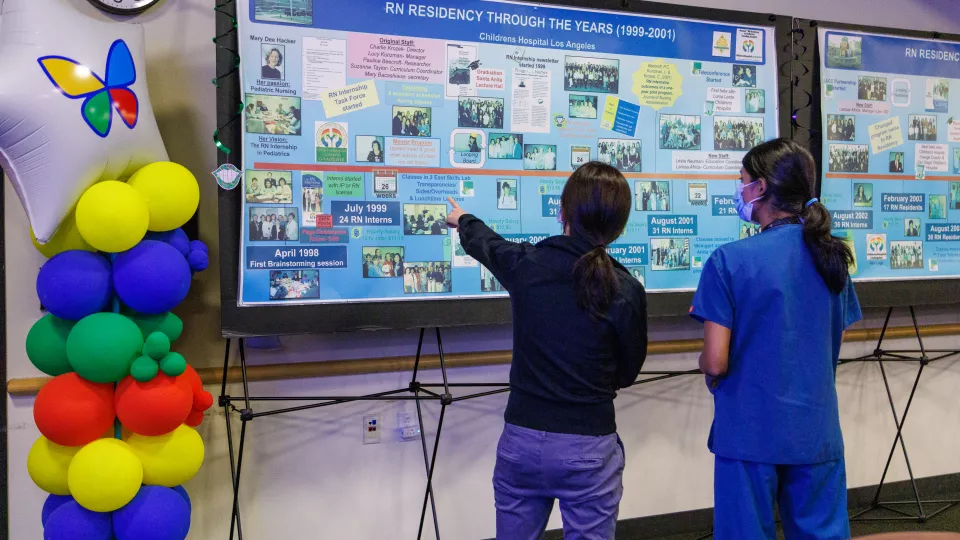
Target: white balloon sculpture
<point>74,106</point>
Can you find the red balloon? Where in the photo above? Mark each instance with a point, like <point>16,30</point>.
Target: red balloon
<point>72,411</point>
<point>202,400</point>
<point>153,408</point>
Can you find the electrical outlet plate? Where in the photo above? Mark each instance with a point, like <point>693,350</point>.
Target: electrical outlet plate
<point>372,426</point>
<point>407,425</point>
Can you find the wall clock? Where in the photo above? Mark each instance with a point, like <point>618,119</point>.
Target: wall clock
<point>124,7</point>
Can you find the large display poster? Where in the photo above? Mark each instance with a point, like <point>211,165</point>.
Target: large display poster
<point>891,152</point>
<point>362,117</point>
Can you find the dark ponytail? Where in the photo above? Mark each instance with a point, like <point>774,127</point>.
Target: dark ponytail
<point>595,205</point>
<point>790,174</point>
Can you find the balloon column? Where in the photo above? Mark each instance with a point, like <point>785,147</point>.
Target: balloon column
<point>117,419</point>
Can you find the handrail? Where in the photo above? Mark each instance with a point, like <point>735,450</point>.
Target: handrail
<point>339,368</point>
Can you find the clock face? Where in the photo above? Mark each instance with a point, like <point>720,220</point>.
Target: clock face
<point>126,7</point>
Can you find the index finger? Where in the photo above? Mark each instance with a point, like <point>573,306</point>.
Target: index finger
<point>453,202</point>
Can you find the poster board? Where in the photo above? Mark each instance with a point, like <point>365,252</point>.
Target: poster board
<point>384,146</point>
<point>891,151</point>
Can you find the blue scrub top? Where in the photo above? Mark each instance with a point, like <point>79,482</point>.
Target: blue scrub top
<point>778,402</point>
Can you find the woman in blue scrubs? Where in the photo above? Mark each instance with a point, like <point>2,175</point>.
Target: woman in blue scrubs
<point>579,335</point>
<point>774,308</point>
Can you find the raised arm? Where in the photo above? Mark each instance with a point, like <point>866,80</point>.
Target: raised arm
<point>498,255</point>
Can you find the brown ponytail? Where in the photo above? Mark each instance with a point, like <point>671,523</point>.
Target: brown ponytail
<point>595,206</point>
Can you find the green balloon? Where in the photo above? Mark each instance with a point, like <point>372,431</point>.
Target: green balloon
<point>168,323</point>
<point>47,345</point>
<point>102,347</point>
<point>174,364</point>
<point>157,346</point>
<point>144,369</point>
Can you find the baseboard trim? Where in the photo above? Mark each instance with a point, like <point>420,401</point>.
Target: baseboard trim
<point>701,521</point>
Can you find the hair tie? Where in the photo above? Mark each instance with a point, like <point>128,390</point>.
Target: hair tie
<point>812,201</point>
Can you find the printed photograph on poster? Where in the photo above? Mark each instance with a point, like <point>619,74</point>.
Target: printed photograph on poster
<point>679,132</point>
<point>385,184</point>
<point>273,225</point>
<point>424,219</point>
<point>369,148</point>
<point>583,106</point>
<point>737,133</point>
<point>467,143</point>
<point>412,121</point>
<point>505,146</point>
<point>284,11</point>
<point>872,88</point>
<point>744,76</point>
<point>638,273</point>
<point>507,193</point>
<point>294,284</point>
<point>841,127</point>
<point>272,115</point>
<point>460,64</point>
<point>530,101</point>
<point>896,162</point>
<point>579,155</point>
<point>270,187</point>
<point>956,161</point>
<point>466,188</point>
<point>748,229</point>
<point>272,66</point>
<point>540,157</point>
<point>938,207</point>
<point>311,201</point>
<point>427,277</point>
<point>852,158</point>
<point>331,142</point>
<point>844,52</point>
<point>670,254</point>
<point>652,196</point>
<point>922,127</point>
<point>906,255</point>
<point>624,154</point>
<point>460,257</point>
<point>755,101</point>
<point>876,247</point>
<point>955,195</point>
<point>862,195</point>
<point>938,95</point>
<point>911,227</point>
<point>488,283</point>
<point>585,74</point>
<point>382,262</point>
<point>480,112</point>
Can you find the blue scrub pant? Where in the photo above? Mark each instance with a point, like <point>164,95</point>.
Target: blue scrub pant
<point>812,500</point>
<point>534,468</point>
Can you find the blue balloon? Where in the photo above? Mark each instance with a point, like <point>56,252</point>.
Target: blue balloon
<point>152,277</point>
<point>74,284</point>
<point>183,493</point>
<point>198,260</point>
<point>51,504</point>
<point>199,245</point>
<point>176,238</point>
<point>73,522</point>
<point>156,513</point>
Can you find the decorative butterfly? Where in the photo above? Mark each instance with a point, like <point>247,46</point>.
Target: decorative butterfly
<point>76,81</point>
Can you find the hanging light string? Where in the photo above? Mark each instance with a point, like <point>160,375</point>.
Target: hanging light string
<point>227,8</point>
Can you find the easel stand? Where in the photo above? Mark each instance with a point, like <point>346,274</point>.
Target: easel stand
<point>880,355</point>
<point>415,391</point>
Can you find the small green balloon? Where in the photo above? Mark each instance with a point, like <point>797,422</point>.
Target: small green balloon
<point>47,345</point>
<point>168,323</point>
<point>102,347</point>
<point>144,369</point>
<point>157,346</point>
<point>174,364</point>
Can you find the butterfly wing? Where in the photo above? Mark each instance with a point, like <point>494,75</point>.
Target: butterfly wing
<point>120,69</point>
<point>97,113</point>
<point>71,78</point>
<point>126,103</point>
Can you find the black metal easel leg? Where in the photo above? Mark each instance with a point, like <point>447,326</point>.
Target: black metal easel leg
<point>433,462</point>
<point>225,403</point>
<point>415,387</point>
<point>921,515</point>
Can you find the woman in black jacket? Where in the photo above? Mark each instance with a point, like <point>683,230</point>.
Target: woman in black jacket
<point>579,323</point>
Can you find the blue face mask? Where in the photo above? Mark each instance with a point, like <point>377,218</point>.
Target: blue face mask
<point>745,209</point>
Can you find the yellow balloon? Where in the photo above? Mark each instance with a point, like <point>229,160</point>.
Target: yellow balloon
<point>171,192</point>
<point>48,464</point>
<point>67,238</point>
<point>112,216</point>
<point>105,475</point>
<point>169,460</point>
